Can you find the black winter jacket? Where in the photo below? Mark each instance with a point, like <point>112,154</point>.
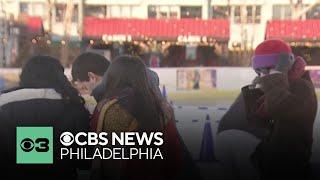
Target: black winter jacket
<point>39,107</point>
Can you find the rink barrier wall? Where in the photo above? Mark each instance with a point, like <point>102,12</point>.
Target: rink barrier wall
<point>226,78</point>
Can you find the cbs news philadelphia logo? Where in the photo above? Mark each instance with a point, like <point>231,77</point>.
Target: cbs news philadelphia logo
<point>34,145</point>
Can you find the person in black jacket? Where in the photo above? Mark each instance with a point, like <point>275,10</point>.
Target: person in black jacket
<point>44,97</point>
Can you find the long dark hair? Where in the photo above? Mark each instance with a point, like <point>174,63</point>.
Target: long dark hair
<point>47,72</point>
<point>130,72</point>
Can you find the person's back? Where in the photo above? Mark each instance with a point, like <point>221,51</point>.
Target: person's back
<point>40,106</point>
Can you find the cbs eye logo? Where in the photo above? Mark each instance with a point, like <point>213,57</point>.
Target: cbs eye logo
<point>40,145</point>
<point>66,138</point>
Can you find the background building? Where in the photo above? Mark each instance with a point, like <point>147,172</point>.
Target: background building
<point>228,29</point>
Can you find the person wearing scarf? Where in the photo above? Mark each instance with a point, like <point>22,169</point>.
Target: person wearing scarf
<point>287,108</point>
<point>277,111</point>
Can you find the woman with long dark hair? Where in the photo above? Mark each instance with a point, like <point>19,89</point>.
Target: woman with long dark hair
<point>132,103</point>
<point>129,74</point>
<point>44,98</point>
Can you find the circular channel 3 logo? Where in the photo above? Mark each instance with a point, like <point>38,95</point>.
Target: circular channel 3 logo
<point>40,145</point>
<point>34,145</point>
<point>66,138</point>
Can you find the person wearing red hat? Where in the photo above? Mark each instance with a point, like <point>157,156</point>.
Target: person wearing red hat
<point>287,108</point>
<point>272,119</point>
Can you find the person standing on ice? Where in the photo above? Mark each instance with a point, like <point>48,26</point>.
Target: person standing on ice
<point>271,132</point>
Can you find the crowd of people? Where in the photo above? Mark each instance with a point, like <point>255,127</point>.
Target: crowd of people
<point>266,134</point>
